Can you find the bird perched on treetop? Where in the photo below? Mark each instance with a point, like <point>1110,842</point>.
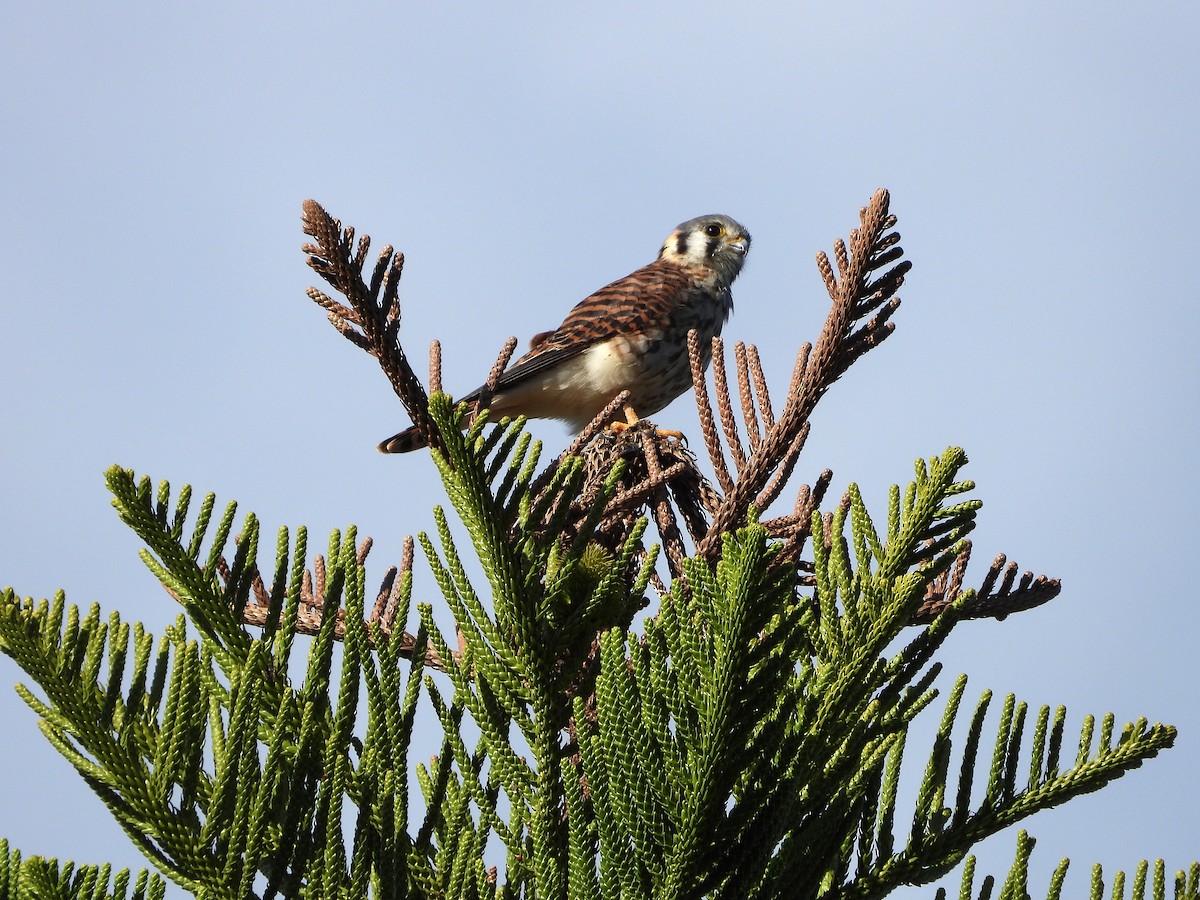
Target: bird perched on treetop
<point>630,335</point>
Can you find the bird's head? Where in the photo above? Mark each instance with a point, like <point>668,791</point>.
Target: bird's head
<point>714,242</point>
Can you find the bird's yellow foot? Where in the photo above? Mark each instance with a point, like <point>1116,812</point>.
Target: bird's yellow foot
<point>631,419</point>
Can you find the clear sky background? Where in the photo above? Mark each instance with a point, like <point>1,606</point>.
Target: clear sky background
<point>1042,160</point>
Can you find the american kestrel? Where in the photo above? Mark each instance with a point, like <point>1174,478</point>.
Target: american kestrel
<point>630,335</point>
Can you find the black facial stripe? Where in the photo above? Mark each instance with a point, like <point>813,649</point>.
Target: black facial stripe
<point>711,249</point>
<point>681,244</point>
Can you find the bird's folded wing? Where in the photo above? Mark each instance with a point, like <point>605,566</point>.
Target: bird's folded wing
<point>632,304</point>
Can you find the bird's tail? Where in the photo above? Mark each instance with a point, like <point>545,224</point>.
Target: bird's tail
<point>411,439</point>
<point>406,441</point>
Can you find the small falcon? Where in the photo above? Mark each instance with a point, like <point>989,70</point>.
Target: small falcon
<point>630,335</point>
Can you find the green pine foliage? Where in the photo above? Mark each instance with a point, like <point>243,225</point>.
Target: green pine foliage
<point>730,721</point>
<point>42,878</point>
<point>744,740</point>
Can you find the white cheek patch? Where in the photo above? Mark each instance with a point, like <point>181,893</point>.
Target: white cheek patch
<point>693,252</point>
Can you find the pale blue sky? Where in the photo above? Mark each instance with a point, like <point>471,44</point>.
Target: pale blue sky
<point>1042,161</point>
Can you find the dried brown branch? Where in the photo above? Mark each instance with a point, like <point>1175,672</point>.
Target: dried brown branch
<point>854,295</point>
<point>484,400</point>
<point>630,500</point>
<point>987,602</point>
<point>760,386</point>
<point>725,405</point>
<point>435,367</point>
<point>658,475</point>
<point>664,515</point>
<point>708,425</point>
<point>808,500</point>
<point>372,321</point>
<point>746,397</point>
<point>784,472</point>
<point>311,612</point>
<point>597,424</point>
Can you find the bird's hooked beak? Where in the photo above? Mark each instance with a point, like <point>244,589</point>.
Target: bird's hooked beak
<point>741,246</point>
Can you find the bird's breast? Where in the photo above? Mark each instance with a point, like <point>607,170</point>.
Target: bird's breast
<point>647,356</point>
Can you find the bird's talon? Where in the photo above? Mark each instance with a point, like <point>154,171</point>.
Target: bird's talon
<point>666,434</point>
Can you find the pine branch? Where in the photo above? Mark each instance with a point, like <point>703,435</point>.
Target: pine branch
<point>267,804</point>
<point>940,834</point>
<point>987,601</point>
<point>1186,885</point>
<point>46,880</point>
<point>854,293</point>
<point>222,597</point>
<point>372,321</point>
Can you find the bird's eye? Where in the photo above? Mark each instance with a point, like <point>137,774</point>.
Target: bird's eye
<point>713,230</point>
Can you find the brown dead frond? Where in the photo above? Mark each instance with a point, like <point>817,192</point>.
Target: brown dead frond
<point>855,290</point>
<point>988,602</point>
<point>313,600</point>
<point>659,475</point>
<point>372,320</point>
